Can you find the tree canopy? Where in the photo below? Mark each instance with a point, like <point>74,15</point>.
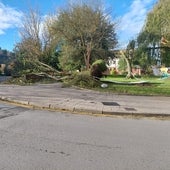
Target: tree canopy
<point>35,52</point>
<point>158,20</point>
<point>156,26</point>
<point>84,33</point>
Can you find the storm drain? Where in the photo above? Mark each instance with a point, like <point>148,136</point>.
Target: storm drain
<point>110,104</point>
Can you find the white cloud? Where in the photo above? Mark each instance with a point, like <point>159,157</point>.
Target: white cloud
<point>9,18</point>
<point>133,21</point>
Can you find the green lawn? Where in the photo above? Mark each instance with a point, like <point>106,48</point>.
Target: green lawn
<point>151,85</point>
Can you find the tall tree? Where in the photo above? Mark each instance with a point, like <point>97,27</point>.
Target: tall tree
<point>30,30</point>
<point>35,45</point>
<point>157,25</point>
<point>158,20</point>
<point>84,32</point>
<point>147,53</point>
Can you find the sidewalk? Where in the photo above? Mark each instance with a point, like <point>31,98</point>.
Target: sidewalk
<point>54,96</point>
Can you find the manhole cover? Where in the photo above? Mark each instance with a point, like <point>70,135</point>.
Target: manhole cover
<point>130,109</point>
<point>110,104</point>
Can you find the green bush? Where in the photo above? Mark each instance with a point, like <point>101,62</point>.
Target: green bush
<point>84,80</point>
<point>97,69</point>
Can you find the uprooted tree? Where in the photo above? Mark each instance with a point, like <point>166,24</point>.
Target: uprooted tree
<point>128,57</point>
<point>70,39</point>
<point>33,47</point>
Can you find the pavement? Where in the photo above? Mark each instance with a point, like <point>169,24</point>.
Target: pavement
<point>76,100</point>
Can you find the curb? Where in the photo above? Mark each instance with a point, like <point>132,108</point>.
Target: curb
<point>78,109</point>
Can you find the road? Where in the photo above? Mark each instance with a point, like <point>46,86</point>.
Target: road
<point>45,140</point>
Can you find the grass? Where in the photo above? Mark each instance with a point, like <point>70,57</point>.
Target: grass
<point>155,86</point>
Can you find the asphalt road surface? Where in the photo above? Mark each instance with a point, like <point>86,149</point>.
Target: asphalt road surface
<point>45,140</point>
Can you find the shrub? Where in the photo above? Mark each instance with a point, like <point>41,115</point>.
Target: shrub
<point>84,80</point>
<point>97,69</point>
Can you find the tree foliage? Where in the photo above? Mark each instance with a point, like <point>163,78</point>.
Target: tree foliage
<point>158,20</point>
<point>97,69</point>
<point>85,34</point>
<point>30,45</point>
<point>157,25</point>
<point>35,52</point>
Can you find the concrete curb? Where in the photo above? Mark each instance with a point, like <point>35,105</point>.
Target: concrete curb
<point>83,108</point>
<point>55,97</point>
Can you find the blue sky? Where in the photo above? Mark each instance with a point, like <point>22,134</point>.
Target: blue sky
<point>131,15</point>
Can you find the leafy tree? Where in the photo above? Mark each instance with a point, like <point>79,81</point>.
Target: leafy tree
<point>86,34</point>
<point>122,65</point>
<point>69,58</point>
<point>158,20</point>
<point>146,53</point>
<point>157,25</point>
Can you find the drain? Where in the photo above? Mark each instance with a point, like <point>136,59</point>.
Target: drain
<point>110,103</point>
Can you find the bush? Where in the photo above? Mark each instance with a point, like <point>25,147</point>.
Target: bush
<point>97,69</point>
<point>84,80</point>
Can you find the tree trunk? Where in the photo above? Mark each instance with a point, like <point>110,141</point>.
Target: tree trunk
<point>87,56</point>
<point>129,68</point>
